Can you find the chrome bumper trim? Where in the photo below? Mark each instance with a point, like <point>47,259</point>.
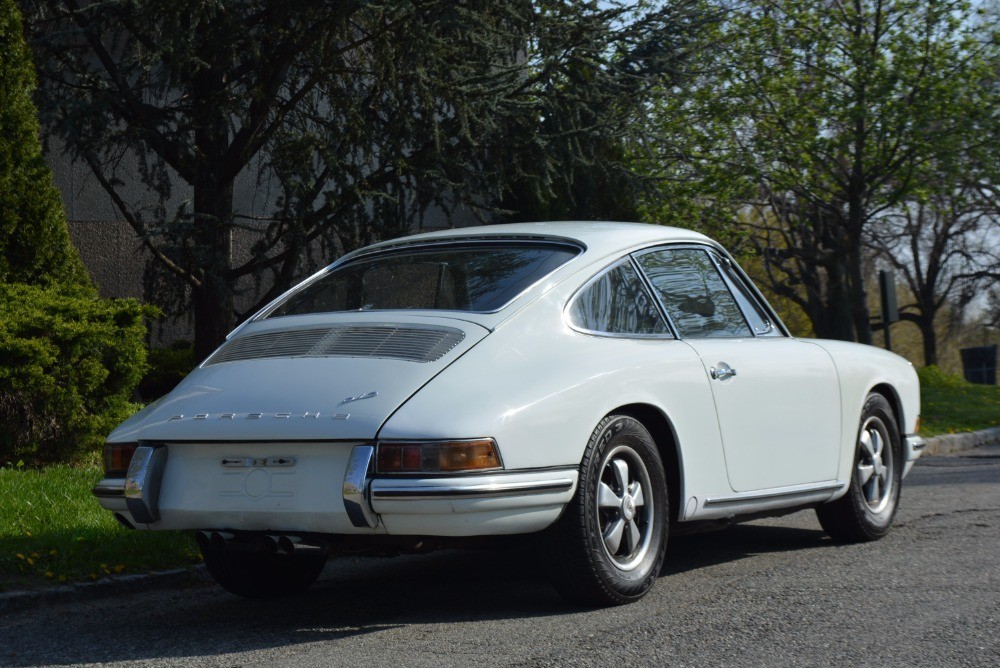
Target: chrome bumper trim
<point>914,446</point>
<point>392,489</point>
<point>109,488</point>
<point>355,488</point>
<point>142,483</point>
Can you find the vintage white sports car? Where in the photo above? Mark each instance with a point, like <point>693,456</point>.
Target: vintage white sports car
<point>598,385</point>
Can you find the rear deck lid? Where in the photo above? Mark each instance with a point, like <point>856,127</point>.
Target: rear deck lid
<point>315,377</point>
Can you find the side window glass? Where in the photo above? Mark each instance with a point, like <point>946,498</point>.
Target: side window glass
<point>693,293</point>
<point>752,309</point>
<point>617,303</point>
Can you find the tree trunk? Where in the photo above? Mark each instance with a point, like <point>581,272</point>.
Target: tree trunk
<point>858,294</point>
<point>212,237</point>
<point>213,300</point>
<point>927,331</point>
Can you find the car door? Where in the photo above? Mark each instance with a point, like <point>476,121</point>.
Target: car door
<point>777,398</point>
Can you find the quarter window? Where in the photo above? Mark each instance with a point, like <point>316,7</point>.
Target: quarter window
<point>754,312</point>
<point>693,293</point>
<point>617,303</point>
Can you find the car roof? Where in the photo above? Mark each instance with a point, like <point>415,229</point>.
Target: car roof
<point>598,237</point>
<point>601,240</point>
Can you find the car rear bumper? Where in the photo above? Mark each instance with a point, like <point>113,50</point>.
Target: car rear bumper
<point>329,489</point>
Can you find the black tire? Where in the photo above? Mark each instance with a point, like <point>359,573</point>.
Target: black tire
<point>262,575</point>
<point>621,459</point>
<point>867,511</point>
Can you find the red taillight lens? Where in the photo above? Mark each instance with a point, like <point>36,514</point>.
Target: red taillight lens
<point>117,457</point>
<point>438,456</point>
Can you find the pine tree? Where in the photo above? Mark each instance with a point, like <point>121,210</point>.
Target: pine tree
<point>35,247</point>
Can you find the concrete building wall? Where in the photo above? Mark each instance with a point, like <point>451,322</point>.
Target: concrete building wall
<point>117,259</point>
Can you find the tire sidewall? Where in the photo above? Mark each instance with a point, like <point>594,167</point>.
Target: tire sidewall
<point>611,433</point>
<point>878,523</point>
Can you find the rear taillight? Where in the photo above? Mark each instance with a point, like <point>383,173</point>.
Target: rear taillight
<point>117,457</point>
<point>438,456</point>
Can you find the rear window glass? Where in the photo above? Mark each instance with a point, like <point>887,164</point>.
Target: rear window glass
<point>479,277</point>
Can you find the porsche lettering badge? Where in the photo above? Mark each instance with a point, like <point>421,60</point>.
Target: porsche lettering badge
<point>258,416</point>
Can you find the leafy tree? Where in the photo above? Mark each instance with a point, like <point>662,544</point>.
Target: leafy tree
<point>810,121</point>
<point>362,115</point>
<point>590,105</point>
<point>34,240</point>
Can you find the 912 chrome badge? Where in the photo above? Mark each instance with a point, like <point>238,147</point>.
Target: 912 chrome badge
<point>253,462</point>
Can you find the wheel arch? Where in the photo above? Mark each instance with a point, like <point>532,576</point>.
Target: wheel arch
<point>889,393</point>
<point>662,430</point>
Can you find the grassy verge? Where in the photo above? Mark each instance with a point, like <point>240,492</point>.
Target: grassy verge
<point>950,405</point>
<point>52,530</point>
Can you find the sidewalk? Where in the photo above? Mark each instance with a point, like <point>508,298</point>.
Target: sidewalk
<point>13,601</point>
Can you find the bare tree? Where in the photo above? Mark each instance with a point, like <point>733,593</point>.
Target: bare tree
<point>946,249</point>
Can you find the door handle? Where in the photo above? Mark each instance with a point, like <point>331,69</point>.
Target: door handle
<point>722,372</point>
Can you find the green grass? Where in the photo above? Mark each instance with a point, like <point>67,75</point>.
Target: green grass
<point>53,530</point>
<point>950,405</point>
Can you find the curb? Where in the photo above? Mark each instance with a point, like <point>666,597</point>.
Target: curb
<point>14,601</point>
<point>947,444</point>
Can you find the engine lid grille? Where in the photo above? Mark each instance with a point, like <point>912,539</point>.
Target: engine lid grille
<point>413,344</point>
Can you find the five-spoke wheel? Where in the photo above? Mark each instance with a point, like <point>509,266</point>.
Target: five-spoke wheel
<point>866,511</point>
<point>624,517</point>
<point>608,546</point>
<point>875,464</point>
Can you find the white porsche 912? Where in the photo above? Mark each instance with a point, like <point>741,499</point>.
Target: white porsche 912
<point>596,384</point>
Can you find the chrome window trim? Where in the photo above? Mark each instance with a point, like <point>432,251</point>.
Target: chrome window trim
<point>580,249</point>
<point>567,318</point>
<point>738,285</point>
<point>755,293</point>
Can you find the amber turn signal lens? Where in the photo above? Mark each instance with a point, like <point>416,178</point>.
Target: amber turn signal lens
<point>468,455</point>
<point>438,456</point>
<point>117,457</point>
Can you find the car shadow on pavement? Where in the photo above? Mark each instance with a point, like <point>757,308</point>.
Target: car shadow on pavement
<point>700,550</point>
<point>354,597</point>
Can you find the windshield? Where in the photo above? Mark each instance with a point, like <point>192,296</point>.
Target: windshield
<point>480,277</point>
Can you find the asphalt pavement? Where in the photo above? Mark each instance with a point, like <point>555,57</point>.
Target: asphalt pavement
<point>768,593</point>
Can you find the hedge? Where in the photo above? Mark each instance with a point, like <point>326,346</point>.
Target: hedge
<point>70,365</point>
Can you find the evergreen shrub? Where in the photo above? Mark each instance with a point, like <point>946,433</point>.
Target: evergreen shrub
<point>70,365</point>
<point>167,367</point>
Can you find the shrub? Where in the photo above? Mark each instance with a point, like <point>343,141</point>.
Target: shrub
<point>933,377</point>
<point>167,367</point>
<point>71,365</point>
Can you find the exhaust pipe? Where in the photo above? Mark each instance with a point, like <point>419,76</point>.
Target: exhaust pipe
<point>288,544</point>
<point>266,543</point>
<point>220,538</point>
